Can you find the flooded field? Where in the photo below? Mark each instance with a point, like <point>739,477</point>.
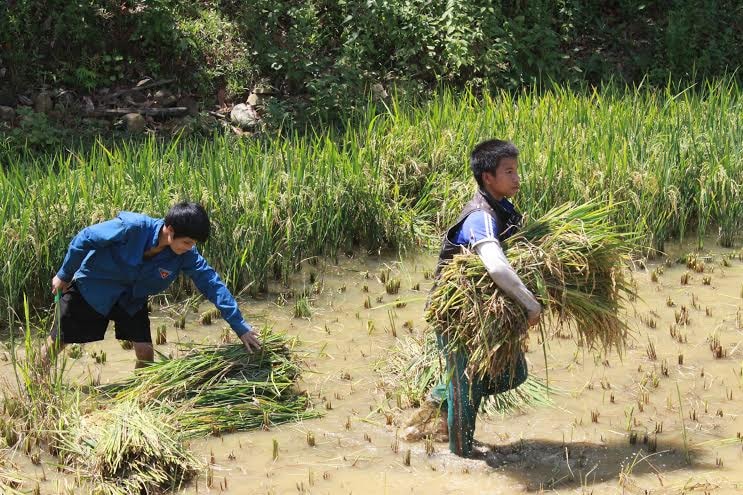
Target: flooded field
<point>663,418</point>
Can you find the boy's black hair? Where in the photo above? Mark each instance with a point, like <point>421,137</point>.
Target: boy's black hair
<point>487,156</point>
<point>188,220</point>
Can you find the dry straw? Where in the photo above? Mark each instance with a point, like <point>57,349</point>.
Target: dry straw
<point>572,258</point>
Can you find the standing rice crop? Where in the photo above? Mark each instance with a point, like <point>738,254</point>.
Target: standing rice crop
<point>572,259</point>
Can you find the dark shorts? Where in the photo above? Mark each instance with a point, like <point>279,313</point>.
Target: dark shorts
<point>81,323</point>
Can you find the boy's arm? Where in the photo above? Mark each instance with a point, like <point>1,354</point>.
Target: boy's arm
<point>479,232</point>
<point>212,287</point>
<point>93,237</point>
<point>505,276</point>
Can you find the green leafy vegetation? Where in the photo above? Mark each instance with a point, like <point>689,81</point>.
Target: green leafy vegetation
<point>394,180</point>
<point>323,58</point>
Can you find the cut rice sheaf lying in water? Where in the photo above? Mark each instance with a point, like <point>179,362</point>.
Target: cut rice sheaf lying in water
<point>134,439</point>
<point>128,448</point>
<point>222,388</point>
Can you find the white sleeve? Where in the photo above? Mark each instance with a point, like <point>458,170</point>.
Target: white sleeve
<point>505,277</point>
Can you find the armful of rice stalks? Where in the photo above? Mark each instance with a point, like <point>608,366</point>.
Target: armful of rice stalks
<point>506,278</point>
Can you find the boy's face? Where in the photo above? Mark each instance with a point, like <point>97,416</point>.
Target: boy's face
<point>505,182</point>
<point>178,245</point>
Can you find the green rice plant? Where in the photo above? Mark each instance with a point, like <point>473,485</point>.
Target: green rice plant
<point>302,307</point>
<point>208,316</point>
<point>75,351</point>
<point>161,337</point>
<point>125,448</point>
<point>392,286</point>
<point>392,179</point>
<point>39,396</point>
<point>222,388</point>
<point>572,259</point>
<point>99,356</point>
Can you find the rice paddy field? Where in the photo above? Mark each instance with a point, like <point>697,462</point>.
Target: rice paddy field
<point>329,238</point>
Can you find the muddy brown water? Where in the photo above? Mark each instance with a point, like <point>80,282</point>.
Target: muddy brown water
<point>580,445</point>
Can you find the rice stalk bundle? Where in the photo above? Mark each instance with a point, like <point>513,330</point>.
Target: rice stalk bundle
<point>222,388</point>
<point>9,484</point>
<point>128,448</point>
<point>531,394</point>
<point>411,368</point>
<point>414,365</point>
<point>10,481</point>
<point>573,260</point>
<point>232,416</point>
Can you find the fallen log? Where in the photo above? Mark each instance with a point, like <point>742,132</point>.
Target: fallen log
<point>152,112</point>
<point>141,87</point>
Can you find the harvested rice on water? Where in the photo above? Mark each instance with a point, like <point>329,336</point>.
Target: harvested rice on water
<point>222,388</point>
<point>134,440</point>
<point>573,259</point>
<point>9,482</point>
<point>125,449</point>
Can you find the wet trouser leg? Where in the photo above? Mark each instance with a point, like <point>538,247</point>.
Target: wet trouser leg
<point>464,395</point>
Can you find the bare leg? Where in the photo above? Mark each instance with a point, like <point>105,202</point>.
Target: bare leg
<point>50,350</point>
<point>145,354</point>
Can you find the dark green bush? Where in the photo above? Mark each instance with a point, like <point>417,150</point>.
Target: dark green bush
<point>323,56</point>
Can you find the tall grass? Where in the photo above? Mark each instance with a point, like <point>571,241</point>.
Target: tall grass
<point>33,404</point>
<point>391,180</point>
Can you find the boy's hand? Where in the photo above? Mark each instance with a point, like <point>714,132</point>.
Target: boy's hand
<point>533,319</point>
<point>59,285</point>
<point>251,342</point>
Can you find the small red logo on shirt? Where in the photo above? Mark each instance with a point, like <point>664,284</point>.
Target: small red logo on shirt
<point>164,273</point>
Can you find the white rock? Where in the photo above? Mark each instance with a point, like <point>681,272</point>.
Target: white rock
<point>244,116</point>
<point>7,113</point>
<point>135,123</point>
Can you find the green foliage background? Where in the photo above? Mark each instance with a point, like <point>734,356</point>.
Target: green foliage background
<point>322,56</point>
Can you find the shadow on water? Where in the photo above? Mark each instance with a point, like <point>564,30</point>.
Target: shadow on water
<point>544,464</point>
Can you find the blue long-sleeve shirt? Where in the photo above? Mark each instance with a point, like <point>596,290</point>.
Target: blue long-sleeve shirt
<point>106,260</point>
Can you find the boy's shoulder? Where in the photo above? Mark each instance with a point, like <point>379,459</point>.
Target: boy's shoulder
<point>477,226</point>
<point>479,218</point>
<point>133,219</point>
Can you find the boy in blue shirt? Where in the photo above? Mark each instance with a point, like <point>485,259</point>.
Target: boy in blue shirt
<point>485,222</point>
<point>112,267</point>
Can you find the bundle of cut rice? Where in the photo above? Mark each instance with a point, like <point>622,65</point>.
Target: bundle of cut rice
<point>415,364</point>
<point>126,449</point>
<point>9,483</point>
<point>574,261</point>
<point>222,388</point>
